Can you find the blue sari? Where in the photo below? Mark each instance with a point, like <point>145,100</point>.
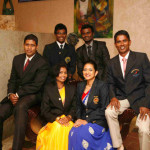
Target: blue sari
<point>90,136</point>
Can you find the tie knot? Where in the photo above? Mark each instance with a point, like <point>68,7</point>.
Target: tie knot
<point>124,59</point>
<point>89,47</point>
<point>61,46</point>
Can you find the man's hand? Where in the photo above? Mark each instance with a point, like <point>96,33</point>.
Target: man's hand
<point>144,112</point>
<point>13,98</point>
<point>114,103</point>
<point>80,122</point>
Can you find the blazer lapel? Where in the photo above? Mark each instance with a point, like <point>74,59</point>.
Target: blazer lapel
<point>85,53</point>
<point>92,91</point>
<point>22,64</point>
<point>67,95</point>
<point>130,62</point>
<point>118,67</point>
<point>94,50</point>
<point>58,97</point>
<point>31,63</point>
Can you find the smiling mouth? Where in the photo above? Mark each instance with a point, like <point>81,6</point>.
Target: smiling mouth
<point>122,47</point>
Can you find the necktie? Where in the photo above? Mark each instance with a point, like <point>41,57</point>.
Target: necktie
<point>61,46</point>
<point>25,66</point>
<point>89,50</point>
<point>124,64</point>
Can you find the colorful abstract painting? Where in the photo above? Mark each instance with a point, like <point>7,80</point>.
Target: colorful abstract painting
<point>98,13</point>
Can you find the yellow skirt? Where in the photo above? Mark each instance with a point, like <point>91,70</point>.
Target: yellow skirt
<point>53,136</point>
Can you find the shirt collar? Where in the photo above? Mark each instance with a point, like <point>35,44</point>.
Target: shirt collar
<point>30,58</point>
<point>91,44</point>
<point>126,57</point>
<point>63,44</point>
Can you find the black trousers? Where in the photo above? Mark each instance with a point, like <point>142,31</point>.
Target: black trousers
<point>20,112</point>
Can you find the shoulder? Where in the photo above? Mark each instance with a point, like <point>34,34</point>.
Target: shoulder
<point>50,46</point>
<point>100,43</point>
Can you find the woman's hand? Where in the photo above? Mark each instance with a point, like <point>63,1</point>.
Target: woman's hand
<point>80,122</point>
<point>64,120</point>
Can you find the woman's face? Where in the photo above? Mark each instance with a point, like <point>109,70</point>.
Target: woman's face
<point>62,75</point>
<point>89,72</point>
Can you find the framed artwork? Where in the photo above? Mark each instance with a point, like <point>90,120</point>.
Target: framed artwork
<point>98,13</point>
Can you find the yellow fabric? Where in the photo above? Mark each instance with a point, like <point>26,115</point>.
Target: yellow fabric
<point>53,136</point>
<point>62,94</point>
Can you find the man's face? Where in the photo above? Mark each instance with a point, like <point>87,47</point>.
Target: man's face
<point>61,35</point>
<point>87,35</point>
<point>122,44</point>
<point>30,47</point>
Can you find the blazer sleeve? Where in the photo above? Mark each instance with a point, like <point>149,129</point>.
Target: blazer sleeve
<point>72,67</point>
<point>34,86</point>
<point>79,62</point>
<point>46,107</point>
<point>146,75</point>
<point>105,59</point>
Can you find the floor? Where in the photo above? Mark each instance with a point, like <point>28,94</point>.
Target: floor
<point>7,144</point>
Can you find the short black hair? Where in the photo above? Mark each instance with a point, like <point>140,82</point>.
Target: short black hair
<point>85,26</point>
<point>31,37</point>
<point>56,71</point>
<point>92,63</point>
<point>121,32</point>
<point>60,26</point>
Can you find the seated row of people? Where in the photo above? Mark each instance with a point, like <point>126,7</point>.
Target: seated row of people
<point>59,104</point>
<point>128,79</point>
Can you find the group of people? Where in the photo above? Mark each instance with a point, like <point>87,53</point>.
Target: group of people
<point>86,117</point>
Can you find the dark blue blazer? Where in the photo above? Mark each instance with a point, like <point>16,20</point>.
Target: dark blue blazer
<point>136,85</point>
<point>98,99</point>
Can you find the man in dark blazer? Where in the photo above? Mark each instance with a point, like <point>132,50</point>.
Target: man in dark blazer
<point>129,86</point>
<point>60,52</point>
<point>28,75</point>
<point>92,50</point>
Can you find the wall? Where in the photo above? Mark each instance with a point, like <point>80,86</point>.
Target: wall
<point>42,16</point>
<point>11,44</point>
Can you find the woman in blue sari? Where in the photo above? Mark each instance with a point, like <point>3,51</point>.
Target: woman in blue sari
<point>90,131</point>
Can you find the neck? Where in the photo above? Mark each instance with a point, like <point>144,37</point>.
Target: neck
<point>60,84</point>
<point>90,82</point>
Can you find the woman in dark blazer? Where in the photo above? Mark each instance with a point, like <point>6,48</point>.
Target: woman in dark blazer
<point>90,131</point>
<point>58,109</point>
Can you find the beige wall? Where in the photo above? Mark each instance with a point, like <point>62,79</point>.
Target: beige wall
<point>42,16</point>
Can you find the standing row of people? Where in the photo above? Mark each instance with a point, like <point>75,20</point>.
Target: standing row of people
<point>127,85</point>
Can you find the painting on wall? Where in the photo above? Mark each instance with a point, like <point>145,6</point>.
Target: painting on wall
<point>98,13</point>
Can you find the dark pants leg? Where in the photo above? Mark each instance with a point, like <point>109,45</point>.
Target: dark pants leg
<point>6,110</point>
<point>21,118</point>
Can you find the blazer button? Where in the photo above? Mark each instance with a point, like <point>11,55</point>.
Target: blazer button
<point>86,109</point>
<point>87,116</point>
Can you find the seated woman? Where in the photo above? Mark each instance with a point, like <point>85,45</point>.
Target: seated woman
<point>90,131</point>
<point>58,109</point>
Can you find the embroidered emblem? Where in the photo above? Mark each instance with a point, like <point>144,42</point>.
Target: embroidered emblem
<point>109,146</point>
<point>96,100</point>
<point>85,144</point>
<point>59,53</point>
<point>135,72</point>
<point>72,133</point>
<point>103,130</point>
<point>59,99</point>
<point>67,60</point>
<point>91,130</point>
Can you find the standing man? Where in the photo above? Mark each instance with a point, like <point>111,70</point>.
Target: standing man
<point>92,50</point>
<point>28,74</point>
<point>61,52</point>
<point>129,86</point>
